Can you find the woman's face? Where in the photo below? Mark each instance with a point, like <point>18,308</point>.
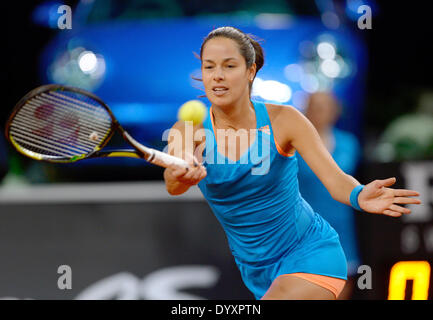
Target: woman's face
<point>224,71</point>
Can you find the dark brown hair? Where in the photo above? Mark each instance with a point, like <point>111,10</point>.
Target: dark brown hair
<point>249,47</point>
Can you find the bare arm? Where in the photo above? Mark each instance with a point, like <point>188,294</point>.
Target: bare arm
<point>177,179</point>
<point>306,140</point>
<point>376,197</point>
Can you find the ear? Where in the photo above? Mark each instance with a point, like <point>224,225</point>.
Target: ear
<point>252,72</point>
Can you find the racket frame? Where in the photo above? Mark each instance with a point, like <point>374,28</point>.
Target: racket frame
<point>139,151</point>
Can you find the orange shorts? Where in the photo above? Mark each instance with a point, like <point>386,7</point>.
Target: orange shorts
<point>335,285</point>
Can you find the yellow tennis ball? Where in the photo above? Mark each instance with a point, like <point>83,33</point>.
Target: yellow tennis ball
<point>193,110</point>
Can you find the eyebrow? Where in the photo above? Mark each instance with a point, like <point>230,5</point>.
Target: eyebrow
<point>227,59</point>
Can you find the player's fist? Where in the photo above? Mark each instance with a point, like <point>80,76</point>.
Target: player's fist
<point>191,175</point>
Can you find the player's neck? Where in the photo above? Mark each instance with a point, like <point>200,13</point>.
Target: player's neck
<point>236,117</point>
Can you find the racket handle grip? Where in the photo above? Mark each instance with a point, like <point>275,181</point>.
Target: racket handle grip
<point>154,156</point>
<point>163,159</point>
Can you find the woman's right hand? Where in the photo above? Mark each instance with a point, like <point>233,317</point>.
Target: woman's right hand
<point>189,176</point>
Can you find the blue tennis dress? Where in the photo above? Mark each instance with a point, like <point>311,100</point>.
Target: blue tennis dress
<point>270,228</point>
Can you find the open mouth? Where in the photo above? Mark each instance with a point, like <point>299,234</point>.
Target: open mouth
<point>219,91</point>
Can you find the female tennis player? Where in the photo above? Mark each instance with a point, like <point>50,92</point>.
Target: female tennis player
<point>283,249</point>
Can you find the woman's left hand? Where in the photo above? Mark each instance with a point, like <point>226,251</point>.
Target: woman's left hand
<point>377,198</point>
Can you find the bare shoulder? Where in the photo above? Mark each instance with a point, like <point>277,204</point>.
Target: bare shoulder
<point>183,127</point>
<point>287,116</point>
<point>283,118</point>
<point>278,111</point>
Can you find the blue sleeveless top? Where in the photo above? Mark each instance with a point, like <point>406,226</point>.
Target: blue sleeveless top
<point>256,199</point>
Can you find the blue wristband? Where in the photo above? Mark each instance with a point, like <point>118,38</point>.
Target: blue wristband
<point>354,197</point>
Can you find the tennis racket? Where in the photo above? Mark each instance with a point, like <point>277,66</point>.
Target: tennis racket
<point>64,124</point>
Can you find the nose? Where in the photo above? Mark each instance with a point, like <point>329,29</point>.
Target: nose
<point>219,74</point>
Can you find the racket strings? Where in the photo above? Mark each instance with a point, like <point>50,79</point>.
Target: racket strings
<point>37,146</point>
<point>96,118</point>
<point>27,119</point>
<point>47,141</point>
<point>25,133</point>
<point>57,124</point>
<point>58,120</point>
<point>24,130</point>
<point>99,115</point>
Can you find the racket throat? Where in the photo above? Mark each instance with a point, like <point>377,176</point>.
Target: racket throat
<point>144,152</point>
